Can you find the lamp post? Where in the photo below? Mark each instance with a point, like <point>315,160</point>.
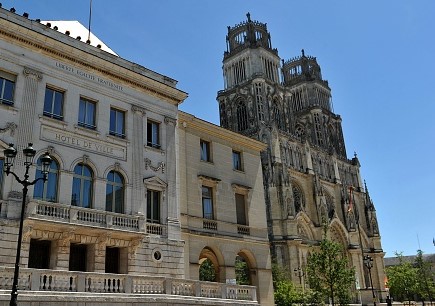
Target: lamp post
<point>29,153</point>
<point>300,273</point>
<point>368,262</point>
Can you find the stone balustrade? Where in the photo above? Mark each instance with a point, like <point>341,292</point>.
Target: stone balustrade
<point>89,282</point>
<point>87,216</point>
<point>223,228</point>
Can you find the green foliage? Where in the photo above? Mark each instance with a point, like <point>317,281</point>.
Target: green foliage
<point>207,271</point>
<point>286,293</point>
<point>425,278</point>
<point>329,274</point>
<point>402,280</point>
<point>242,271</point>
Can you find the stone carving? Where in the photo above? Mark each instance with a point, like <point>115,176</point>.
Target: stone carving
<point>169,120</point>
<point>29,72</point>
<point>133,246</point>
<point>10,126</point>
<point>139,110</point>
<point>160,165</point>
<point>65,240</point>
<point>27,233</point>
<point>15,194</point>
<point>101,243</point>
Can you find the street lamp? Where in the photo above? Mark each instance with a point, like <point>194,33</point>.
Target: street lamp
<point>29,153</point>
<point>368,262</point>
<point>300,273</point>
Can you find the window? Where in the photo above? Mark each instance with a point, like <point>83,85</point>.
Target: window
<point>237,161</point>
<point>117,123</point>
<point>115,192</point>
<point>7,86</point>
<point>39,254</point>
<point>2,166</point>
<point>242,116</point>
<point>241,209</point>
<point>82,186</point>
<point>207,203</point>
<point>153,139</point>
<point>205,151</point>
<point>78,257</point>
<point>153,206</point>
<point>53,103</point>
<point>87,111</point>
<point>112,260</point>
<point>47,191</point>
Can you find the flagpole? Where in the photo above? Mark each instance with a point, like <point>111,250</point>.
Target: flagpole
<point>90,18</point>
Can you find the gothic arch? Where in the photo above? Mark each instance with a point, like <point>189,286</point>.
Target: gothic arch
<point>338,233</point>
<point>241,115</point>
<point>298,197</point>
<point>330,205</point>
<point>305,225</point>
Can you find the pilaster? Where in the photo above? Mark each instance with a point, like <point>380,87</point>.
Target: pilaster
<point>138,196</point>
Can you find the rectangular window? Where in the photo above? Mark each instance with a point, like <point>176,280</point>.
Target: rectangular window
<point>237,161</point>
<point>117,123</point>
<point>205,151</point>
<point>39,254</point>
<point>112,260</point>
<point>78,257</point>
<point>87,110</point>
<point>207,203</point>
<point>153,206</point>
<point>53,103</point>
<point>153,131</point>
<point>7,87</point>
<point>241,209</point>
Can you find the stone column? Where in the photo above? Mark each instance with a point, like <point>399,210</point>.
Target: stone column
<point>25,131</point>
<point>138,165</point>
<point>174,229</point>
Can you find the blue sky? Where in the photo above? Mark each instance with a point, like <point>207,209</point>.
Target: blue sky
<point>378,56</point>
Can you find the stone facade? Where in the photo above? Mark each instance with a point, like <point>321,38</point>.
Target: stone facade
<point>232,228</point>
<point>308,179</point>
<point>108,218</point>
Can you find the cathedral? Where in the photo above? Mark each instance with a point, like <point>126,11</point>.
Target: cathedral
<point>308,178</point>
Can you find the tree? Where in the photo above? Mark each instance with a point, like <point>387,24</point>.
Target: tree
<point>402,280</point>
<point>207,271</point>
<point>242,271</point>
<point>329,274</point>
<point>425,278</point>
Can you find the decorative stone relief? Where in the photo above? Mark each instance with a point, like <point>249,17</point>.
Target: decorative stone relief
<point>133,246</point>
<point>160,165</point>
<point>101,244</point>
<point>15,194</point>
<point>169,120</point>
<point>29,72</point>
<point>65,240</point>
<point>138,110</point>
<point>27,233</point>
<point>10,126</point>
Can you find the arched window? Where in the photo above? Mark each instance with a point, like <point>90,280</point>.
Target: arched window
<point>242,116</point>
<point>47,191</point>
<point>115,192</point>
<point>82,192</point>
<point>277,115</point>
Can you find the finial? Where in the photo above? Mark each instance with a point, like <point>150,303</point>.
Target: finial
<point>354,154</point>
<point>249,16</point>
<point>303,52</point>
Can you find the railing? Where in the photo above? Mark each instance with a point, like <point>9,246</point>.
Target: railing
<point>222,227</point>
<point>156,229</point>
<point>80,215</point>
<point>67,281</point>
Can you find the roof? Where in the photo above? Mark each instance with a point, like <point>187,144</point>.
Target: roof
<point>76,29</point>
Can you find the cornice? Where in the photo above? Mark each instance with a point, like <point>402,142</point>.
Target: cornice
<point>189,121</point>
<point>110,66</point>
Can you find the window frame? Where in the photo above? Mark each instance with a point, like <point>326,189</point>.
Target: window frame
<point>237,166</point>
<point>52,113</point>
<point>207,197</point>
<point>7,77</point>
<point>152,195</point>
<point>113,184</point>
<point>116,133</point>
<point>151,135</point>
<point>45,185</point>
<point>205,146</point>
<point>241,209</point>
<point>86,101</point>
<point>82,179</point>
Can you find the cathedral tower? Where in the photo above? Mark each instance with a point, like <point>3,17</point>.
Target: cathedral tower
<point>308,179</point>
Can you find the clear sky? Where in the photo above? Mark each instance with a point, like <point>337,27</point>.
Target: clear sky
<point>378,56</point>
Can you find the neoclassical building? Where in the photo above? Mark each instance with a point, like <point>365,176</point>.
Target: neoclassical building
<point>308,178</point>
<point>131,208</point>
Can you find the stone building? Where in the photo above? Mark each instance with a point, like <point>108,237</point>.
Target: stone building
<point>114,224</point>
<point>308,178</point>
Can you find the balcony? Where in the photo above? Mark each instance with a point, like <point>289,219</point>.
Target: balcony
<point>41,210</point>
<point>56,281</point>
